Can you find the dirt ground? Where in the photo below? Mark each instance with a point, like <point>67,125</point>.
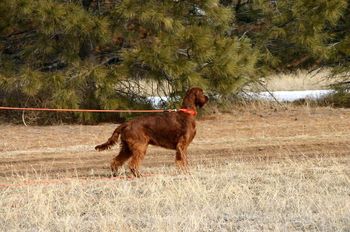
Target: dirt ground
<point>265,135</point>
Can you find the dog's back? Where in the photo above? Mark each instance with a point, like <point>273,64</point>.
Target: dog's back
<point>163,130</point>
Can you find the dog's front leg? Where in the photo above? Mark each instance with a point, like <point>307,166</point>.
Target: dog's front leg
<point>181,155</point>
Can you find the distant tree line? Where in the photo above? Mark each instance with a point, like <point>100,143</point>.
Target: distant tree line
<point>107,54</point>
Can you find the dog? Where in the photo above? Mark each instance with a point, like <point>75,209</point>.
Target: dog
<point>171,130</point>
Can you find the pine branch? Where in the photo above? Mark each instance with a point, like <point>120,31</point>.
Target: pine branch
<point>298,61</point>
<point>88,72</point>
<point>17,33</point>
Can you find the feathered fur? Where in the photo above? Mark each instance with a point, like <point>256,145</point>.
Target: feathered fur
<point>172,130</point>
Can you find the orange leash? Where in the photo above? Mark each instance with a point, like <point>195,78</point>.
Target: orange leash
<point>85,110</point>
<point>188,111</point>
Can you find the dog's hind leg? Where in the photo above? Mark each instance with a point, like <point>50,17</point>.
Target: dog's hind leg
<point>121,158</point>
<point>138,153</point>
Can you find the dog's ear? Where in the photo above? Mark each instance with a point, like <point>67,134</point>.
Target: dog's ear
<point>194,97</point>
<point>201,99</point>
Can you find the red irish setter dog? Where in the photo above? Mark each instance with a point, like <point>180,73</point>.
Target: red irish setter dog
<point>172,130</point>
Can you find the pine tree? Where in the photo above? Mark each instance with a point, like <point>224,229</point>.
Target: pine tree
<point>290,34</point>
<point>112,53</point>
<point>99,54</point>
<point>339,60</point>
<point>41,61</point>
<point>182,43</point>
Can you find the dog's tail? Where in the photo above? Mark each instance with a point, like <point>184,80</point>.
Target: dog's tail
<point>112,140</point>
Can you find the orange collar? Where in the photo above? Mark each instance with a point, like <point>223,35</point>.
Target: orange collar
<point>189,111</point>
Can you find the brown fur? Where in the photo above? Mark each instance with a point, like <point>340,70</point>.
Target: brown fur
<point>172,130</point>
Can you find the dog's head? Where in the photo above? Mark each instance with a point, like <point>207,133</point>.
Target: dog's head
<point>197,96</point>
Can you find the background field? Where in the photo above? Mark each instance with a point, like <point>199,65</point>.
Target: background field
<point>301,80</point>
<point>251,170</point>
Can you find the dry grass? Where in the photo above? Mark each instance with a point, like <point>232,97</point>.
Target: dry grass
<point>300,80</point>
<point>252,170</point>
<point>310,195</point>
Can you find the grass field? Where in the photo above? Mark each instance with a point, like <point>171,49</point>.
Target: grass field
<point>251,170</point>
<point>301,80</point>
